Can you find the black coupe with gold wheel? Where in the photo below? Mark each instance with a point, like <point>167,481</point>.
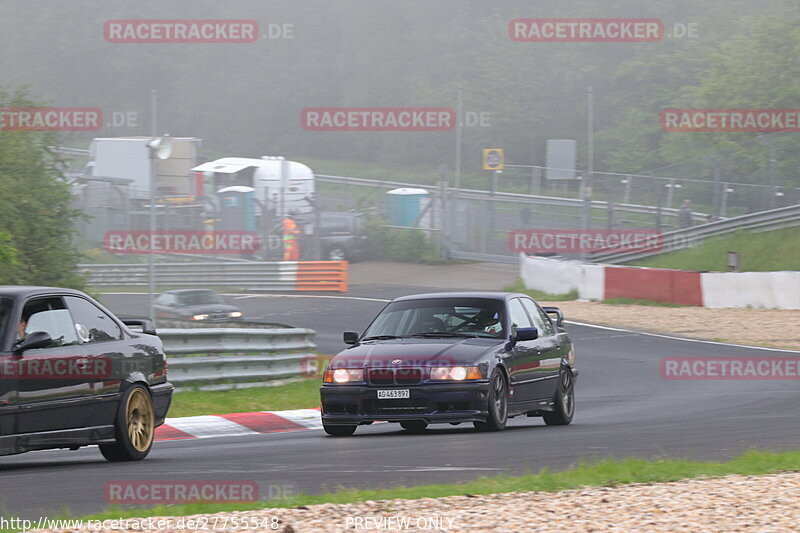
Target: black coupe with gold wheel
<point>73,374</point>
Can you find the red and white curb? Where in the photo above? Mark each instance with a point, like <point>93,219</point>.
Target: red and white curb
<point>259,422</point>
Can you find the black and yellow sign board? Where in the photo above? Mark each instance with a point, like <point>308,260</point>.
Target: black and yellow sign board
<point>493,159</point>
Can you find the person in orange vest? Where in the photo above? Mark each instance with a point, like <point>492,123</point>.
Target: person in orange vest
<point>291,248</point>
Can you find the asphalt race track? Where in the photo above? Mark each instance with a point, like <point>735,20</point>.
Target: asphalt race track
<point>624,408</point>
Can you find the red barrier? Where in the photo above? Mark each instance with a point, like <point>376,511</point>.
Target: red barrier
<point>655,284</point>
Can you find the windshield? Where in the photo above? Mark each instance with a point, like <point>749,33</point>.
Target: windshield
<point>472,317</point>
<point>199,298</point>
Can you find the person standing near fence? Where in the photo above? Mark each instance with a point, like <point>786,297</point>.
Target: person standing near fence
<point>291,248</point>
<point>685,215</point>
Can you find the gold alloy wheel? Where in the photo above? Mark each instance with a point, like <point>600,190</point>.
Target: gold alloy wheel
<point>140,419</point>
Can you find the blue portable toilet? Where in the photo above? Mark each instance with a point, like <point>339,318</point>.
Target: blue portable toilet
<point>405,205</point>
<point>237,208</point>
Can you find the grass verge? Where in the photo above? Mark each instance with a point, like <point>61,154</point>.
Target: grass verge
<point>758,252</point>
<point>605,473</point>
<point>519,286</point>
<point>297,395</point>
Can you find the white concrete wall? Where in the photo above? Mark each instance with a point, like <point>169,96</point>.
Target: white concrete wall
<point>754,289</point>
<point>555,276</point>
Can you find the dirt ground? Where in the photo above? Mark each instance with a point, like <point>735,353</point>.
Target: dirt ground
<point>776,328</point>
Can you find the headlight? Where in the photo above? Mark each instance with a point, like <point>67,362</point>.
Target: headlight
<point>200,317</point>
<point>235,314</point>
<point>455,373</point>
<point>343,375</point>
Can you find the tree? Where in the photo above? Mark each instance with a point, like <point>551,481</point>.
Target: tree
<point>36,244</point>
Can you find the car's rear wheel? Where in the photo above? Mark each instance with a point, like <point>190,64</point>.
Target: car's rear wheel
<point>564,401</point>
<point>339,431</point>
<point>498,405</point>
<point>134,427</point>
<point>414,426</point>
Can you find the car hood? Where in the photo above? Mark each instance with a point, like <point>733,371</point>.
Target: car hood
<point>416,352</point>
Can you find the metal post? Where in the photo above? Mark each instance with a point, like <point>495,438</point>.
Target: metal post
<point>282,199</point>
<point>724,207</point>
<point>628,182</point>
<point>151,265</point>
<point>670,192</point>
<point>455,198</point>
<point>771,176</point>
<point>587,183</point>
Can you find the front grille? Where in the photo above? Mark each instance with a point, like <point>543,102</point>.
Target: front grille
<point>392,376</point>
<point>382,376</point>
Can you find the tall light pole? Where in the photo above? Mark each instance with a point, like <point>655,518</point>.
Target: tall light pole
<point>151,265</point>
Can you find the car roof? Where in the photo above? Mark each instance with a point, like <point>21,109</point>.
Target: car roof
<point>437,295</point>
<point>24,291</point>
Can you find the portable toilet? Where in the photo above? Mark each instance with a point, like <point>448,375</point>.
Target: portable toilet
<point>404,206</point>
<point>237,208</point>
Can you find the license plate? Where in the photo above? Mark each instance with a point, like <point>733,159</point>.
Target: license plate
<point>394,394</point>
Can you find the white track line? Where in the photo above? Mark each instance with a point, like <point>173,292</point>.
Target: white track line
<point>610,328</point>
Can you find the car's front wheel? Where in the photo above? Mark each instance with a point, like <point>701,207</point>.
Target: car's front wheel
<point>498,405</point>
<point>414,426</point>
<point>337,253</point>
<point>134,427</point>
<point>339,431</point>
<point>564,400</point>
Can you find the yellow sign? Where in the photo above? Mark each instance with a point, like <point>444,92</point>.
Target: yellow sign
<point>493,159</point>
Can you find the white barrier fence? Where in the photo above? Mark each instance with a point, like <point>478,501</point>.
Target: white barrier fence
<point>779,290</point>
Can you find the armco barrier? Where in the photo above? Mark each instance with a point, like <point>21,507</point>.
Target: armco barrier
<point>779,290</point>
<point>222,357</point>
<point>246,275</point>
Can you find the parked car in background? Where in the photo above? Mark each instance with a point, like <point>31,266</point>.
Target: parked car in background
<point>202,305</point>
<point>342,235</point>
<point>73,374</point>
<point>452,358</point>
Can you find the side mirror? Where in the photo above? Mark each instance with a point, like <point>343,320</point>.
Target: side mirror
<point>527,334</point>
<point>37,339</point>
<point>557,313</point>
<point>140,324</point>
<point>350,337</point>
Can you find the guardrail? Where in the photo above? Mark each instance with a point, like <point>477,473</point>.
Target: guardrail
<point>784,217</point>
<point>255,276</point>
<point>229,357</point>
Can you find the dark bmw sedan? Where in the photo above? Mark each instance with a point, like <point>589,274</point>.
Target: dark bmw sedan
<point>72,374</point>
<point>451,358</point>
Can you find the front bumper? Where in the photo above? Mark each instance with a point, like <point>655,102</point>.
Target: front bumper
<point>430,402</point>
